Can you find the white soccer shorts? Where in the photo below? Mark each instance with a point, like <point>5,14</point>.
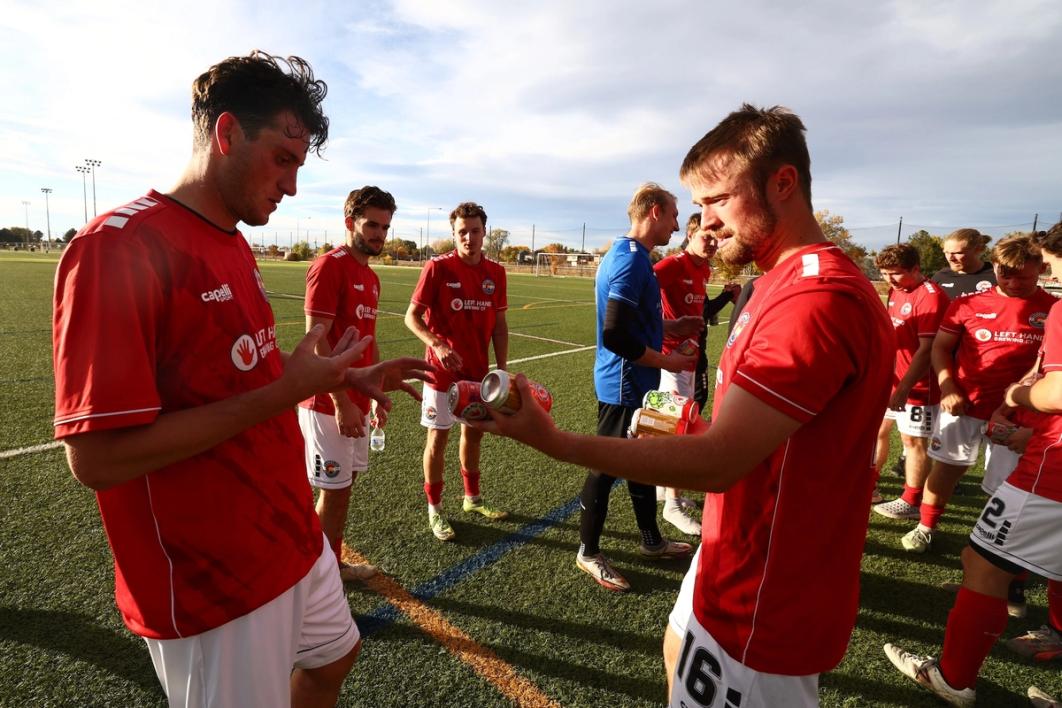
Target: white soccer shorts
<point>435,410</point>
<point>680,383</point>
<point>332,459</point>
<point>248,661</point>
<point>1023,528</point>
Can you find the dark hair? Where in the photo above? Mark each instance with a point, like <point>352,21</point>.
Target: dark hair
<point>759,140</point>
<point>900,255</point>
<point>468,210</point>
<point>256,89</point>
<point>694,221</point>
<point>1050,240</point>
<point>368,196</point>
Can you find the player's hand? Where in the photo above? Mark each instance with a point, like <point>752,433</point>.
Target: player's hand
<point>953,401</point>
<point>349,418</point>
<point>531,425</point>
<point>390,375</point>
<point>1019,439</point>
<point>686,326</point>
<point>734,289</point>
<point>676,362</point>
<point>450,359</point>
<point>379,415</point>
<point>307,373</point>
<point>898,400</point>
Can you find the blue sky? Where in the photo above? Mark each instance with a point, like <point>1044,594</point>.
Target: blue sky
<point>550,113</point>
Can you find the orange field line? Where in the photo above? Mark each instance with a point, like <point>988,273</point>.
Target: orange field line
<point>481,659</point>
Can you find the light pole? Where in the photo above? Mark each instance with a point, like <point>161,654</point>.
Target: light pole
<point>93,164</point>
<point>25,207</point>
<point>427,228</point>
<point>47,213</point>
<point>84,189</point>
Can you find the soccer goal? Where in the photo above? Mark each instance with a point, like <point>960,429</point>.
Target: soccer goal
<point>566,264</point>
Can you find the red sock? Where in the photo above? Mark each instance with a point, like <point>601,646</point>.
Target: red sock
<point>912,495</point>
<point>1054,604</point>
<point>974,625</point>
<point>930,514</point>
<point>337,548</point>
<point>471,480</point>
<point>433,490</point>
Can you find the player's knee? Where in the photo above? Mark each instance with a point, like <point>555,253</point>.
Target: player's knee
<point>330,676</point>
<point>436,442</point>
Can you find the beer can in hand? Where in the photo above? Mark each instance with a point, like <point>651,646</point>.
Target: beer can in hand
<point>672,404</point>
<point>465,402</point>
<point>499,391</point>
<point>646,421</point>
<point>688,347</point>
<point>999,433</point>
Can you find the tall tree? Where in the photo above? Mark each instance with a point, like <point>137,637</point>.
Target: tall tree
<point>833,228</point>
<point>495,242</point>
<point>930,251</point>
<point>442,245</point>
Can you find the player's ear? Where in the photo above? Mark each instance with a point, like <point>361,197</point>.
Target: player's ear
<point>784,182</point>
<point>225,132</point>
<point>349,223</point>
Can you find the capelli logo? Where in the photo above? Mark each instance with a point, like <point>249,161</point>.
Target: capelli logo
<point>222,294</point>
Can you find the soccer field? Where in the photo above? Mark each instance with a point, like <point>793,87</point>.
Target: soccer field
<point>501,616</point>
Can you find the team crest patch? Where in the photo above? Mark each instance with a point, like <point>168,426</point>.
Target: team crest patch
<point>983,335</point>
<point>935,444</point>
<point>1037,319</point>
<point>738,328</point>
<point>261,285</point>
<point>430,413</point>
<point>488,286</point>
<point>457,304</point>
<point>984,285</point>
<point>689,298</point>
<point>906,309</point>
<point>244,352</point>
<point>330,468</point>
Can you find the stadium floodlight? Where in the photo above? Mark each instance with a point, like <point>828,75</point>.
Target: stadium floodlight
<point>93,164</point>
<point>47,213</point>
<point>84,189</point>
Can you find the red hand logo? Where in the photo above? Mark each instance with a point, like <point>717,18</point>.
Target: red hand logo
<point>246,352</point>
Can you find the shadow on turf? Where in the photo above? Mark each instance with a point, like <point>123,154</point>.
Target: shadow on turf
<point>989,693</point>
<point>81,638</point>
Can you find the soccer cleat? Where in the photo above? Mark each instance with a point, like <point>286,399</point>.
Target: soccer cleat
<point>598,568</point>
<point>917,540</point>
<point>356,572</point>
<point>675,515</point>
<point>441,527</point>
<point>1039,699</point>
<point>875,497</point>
<point>666,550</point>
<point>924,671</point>
<point>688,504</point>
<point>478,506</point>
<point>897,509</point>
<point>1042,644</point>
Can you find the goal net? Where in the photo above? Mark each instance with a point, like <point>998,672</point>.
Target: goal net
<point>566,264</point>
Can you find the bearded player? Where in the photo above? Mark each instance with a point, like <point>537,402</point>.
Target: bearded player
<point>916,306</point>
<point>1017,532</point>
<point>341,292</point>
<point>810,359</point>
<point>458,311</point>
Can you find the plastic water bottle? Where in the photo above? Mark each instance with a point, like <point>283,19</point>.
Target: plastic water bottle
<point>377,439</point>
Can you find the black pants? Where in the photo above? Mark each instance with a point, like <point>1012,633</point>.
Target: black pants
<point>613,421</point>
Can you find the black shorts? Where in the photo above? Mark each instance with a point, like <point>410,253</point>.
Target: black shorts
<point>613,420</point>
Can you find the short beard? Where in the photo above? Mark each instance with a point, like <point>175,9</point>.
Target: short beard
<point>363,246</point>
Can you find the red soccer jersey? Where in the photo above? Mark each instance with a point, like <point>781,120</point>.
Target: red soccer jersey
<point>346,292</point>
<point>1040,469</point>
<point>915,316</point>
<point>778,581</point>
<point>999,338</point>
<point>681,291</point>
<point>156,311</point>
<point>463,303</point>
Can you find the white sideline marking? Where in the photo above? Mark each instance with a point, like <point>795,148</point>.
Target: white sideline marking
<point>543,339</point>
<point>29,450</point>
<point>547,356</point>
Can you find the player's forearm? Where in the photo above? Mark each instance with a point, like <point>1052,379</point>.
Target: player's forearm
<point>1045,395</point>
<point>917,370</point>
<point>103,459</point>
<point>415,323</point>
<point>500,342</point>
<point>651,358</point>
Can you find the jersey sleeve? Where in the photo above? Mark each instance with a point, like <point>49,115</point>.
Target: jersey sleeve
<point>667,271</point>
<point>107,300</point>
<point>1052,349</point>
<point>928,314</point>
<point>801,355</point>
<point>952,322</point>
<point>422,294</point>
<point>627,279</point>
<point>322,288</point>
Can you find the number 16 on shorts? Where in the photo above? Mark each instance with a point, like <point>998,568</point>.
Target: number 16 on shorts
<point>698,679</point>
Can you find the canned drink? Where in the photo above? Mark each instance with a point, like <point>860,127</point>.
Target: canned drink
<point>646,421</point>
<point>688,347</point>
<point>672,404</point>
<point>499,391</point>
<point>465,402</point>
<point>998,433</point>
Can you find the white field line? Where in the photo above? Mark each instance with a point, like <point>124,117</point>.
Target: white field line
<point>544,339</point>
<point>552,354</point>
<point>18,451</point>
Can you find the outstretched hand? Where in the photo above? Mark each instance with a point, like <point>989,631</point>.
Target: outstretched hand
<point>307,373</point>
<point>390,375</point>
<point>531,425</point>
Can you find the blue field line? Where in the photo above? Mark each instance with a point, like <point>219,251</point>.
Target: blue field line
<point>380,618</point>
